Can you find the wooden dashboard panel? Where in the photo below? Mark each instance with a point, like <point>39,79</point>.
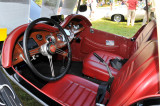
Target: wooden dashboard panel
<point>18,50</point>
<point>18,54</point>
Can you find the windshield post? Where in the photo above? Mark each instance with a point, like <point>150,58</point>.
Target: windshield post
<point>79,2</point>
<point>147,11</point>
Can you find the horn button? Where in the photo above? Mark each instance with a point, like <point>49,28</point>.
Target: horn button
<point>48,49</point>
<point>51,48</point>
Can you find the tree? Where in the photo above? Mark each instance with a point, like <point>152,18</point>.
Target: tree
<point>39,2</point>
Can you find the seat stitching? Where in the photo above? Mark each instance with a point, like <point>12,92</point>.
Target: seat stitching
<point>93,100</point>
<point>66,89</point>
<point>73,91</point>
<point>85,97</point>
<point>79,95</point>
<point>88,97</point>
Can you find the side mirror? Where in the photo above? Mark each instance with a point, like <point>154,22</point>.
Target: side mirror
<point>83,8</point>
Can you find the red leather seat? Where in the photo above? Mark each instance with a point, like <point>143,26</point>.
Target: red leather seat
<point>92,67</point>
<point>73,90</point>
<point>137,78</point>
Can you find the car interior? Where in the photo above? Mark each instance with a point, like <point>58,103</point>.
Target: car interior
<point>55,62</point>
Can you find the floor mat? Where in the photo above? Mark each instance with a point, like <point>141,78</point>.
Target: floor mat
<point>75,69</point>
<point>44,68</point>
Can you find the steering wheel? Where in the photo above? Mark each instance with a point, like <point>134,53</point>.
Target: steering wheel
<point>47,49</point>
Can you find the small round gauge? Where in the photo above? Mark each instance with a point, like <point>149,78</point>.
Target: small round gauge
<point>50,39</point>
<point>39,37</point>
<point>60,37</point>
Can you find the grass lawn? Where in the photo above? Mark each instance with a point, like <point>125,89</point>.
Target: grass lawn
<point>102,24</point>
<point>26,99</point>
<point>119,28</point>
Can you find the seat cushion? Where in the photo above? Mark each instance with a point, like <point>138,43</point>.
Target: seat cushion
<point>73,90</point>
<point>92,67</point>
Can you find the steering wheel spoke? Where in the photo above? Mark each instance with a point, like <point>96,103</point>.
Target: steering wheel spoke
<point>61,52</point>
<point>51,65</point>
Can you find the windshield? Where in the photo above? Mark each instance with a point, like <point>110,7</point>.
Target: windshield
<point>17,12</point>
<point>57,7</point>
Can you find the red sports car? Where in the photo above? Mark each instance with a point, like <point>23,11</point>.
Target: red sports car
<point>70,63</point>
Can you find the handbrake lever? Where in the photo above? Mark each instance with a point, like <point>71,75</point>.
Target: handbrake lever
<point>101,60</point>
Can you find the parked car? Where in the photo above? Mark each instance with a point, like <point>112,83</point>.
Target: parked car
<point>119,13</point>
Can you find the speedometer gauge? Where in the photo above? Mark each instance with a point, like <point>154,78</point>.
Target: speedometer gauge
<point>50,39</point>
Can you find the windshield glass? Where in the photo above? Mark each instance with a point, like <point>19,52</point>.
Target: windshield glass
<point>17,12</point>
<point>58,7</point>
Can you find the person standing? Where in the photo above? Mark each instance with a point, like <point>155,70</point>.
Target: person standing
<point>60,7</point>
<point>92,5</point>
<point>89,2</point>
<point>131,4</point>
<point>111,4</point>
<point>151,10</point>
<point>98,3</point>
<point>123,2</point>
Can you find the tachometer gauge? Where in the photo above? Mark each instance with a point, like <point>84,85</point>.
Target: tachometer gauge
<point>50,39</point>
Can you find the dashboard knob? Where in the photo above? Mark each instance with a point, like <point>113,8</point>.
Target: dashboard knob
<point>39,37</point>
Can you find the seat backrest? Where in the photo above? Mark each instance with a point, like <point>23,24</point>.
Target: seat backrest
<point>138,77</point>
<point>143,37</point>
<point>154,34</point>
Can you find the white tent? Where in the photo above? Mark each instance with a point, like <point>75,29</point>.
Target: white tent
<point>13,13</point>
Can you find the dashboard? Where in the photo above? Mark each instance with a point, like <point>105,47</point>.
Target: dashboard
<point>31,44</point>
<point>40,37</point>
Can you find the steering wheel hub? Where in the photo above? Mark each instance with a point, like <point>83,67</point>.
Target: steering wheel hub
<point>51,48</point>
<point>48,49</point>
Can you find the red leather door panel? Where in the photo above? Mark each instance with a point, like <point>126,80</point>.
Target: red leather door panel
<point>97,41</point>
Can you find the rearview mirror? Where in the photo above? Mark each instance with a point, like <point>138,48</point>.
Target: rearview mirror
<point>83,8</point>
